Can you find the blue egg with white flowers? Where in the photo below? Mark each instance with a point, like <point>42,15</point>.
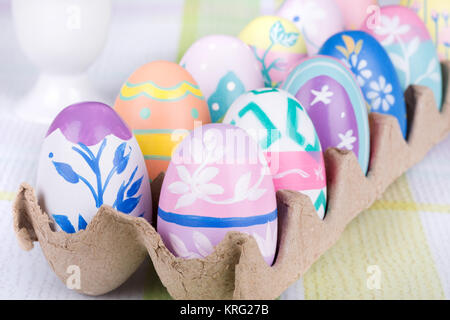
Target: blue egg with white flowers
<point>374,71</point>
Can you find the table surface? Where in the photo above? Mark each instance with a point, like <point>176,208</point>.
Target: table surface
<point>404,238</point>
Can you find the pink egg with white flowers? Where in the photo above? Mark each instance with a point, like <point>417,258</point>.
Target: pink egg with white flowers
<point>218,181</point>
<point>408,42</point>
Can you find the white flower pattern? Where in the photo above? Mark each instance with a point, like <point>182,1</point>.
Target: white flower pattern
<point>199,185</point>
<point>360,69</point>
<point>323,96</point>
<point>267,245</point>
<point>391,28</point>
<point>204,246</point>
<point>381,95</point>
<point>347,140</point>
<point>201,242</point>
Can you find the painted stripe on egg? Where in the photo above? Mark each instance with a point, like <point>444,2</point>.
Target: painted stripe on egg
<point>210,222</point>
<point>159,145</point>
<point>163,158</point>
<point>131,91</point>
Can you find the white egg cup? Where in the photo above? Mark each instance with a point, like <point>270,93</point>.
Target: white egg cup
<point>62,38</point>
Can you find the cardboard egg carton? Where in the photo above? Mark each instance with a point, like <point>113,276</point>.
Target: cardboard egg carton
<point>114,244</point>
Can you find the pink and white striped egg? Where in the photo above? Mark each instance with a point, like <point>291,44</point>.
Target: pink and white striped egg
<point>288,138</point>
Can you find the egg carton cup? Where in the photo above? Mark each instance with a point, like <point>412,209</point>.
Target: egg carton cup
<point>113,245</point>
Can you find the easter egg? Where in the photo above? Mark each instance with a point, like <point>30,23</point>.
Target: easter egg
<point>277,45</point>
<point>334,101</point>
<point>224,68</point>
<point>218,181</point>
<point>90,158</point>
<point>288,138</point>
<point>409,45</point>
<point>317,20</point>
<point>435,15</point>
<point>355,12</point>
<point>161,102</point>
<point>374,71</point>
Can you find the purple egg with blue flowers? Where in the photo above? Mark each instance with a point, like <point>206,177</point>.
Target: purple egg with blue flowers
<point>90,158</point>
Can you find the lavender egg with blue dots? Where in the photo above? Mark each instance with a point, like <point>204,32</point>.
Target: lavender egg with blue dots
<point>90,158</point>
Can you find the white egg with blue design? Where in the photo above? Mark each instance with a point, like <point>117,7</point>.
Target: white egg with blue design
<point>90,158</point>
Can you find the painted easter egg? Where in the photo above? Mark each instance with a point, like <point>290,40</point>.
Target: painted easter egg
<point>334,101</point>
<point>374,71</point>
<point>317,20</point>
<point>161,102</point>
<point>277,45</point>
<point>435,15</point>
<point>409,45</point>
<point>90,158</point>
<point>224,68</point>
<point>218,181</point>
<point>355,12</point>
<point>288,138</point>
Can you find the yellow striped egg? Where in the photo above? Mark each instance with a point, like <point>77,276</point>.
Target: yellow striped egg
<point>161,103</point>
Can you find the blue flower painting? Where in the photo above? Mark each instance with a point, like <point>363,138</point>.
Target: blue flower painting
<point>126,198</point>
